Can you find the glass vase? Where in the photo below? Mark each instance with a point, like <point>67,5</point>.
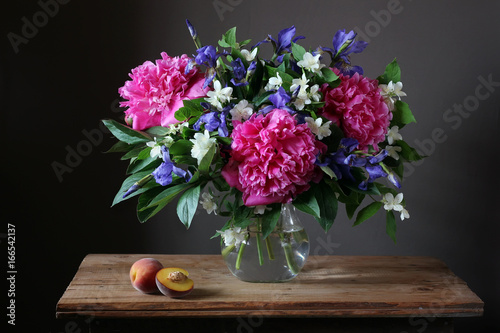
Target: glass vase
<point>277,258</point>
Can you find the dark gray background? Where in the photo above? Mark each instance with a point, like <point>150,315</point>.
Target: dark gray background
<point>63,80</point>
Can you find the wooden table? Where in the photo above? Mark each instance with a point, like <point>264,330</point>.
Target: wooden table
<point>339,293</point>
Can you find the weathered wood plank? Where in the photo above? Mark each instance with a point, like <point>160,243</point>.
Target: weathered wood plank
<point>342,286</point>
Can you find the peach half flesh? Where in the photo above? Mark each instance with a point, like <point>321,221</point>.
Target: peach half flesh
<point>143,275</point>
<point>174,282</point>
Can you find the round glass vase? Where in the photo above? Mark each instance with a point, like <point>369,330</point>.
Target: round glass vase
<point>277,258</point>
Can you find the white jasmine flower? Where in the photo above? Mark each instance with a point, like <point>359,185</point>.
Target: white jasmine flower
<point>391,92</point>
<point>233,236</point>
<point>404,214</point>
<point>249,56</point>
<point>202,143</point>
<point>393,203</point>
<point>208,203</point>
<point>314,93</point>
<point>311,62</point>
<point>176,128</point>
<point>155,149</point>
<point>156,146</point>
<point>219,95</point>
<point>260,209</point>
<point>241,111</point>
<point>318,128</point>
<point>393,151</point>
<point>274,83</point>
<point>301,101</point>
<point>393,135</point>
<point>302,83</point>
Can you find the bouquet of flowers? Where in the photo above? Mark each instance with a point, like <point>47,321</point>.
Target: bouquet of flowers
<point>241,134</point>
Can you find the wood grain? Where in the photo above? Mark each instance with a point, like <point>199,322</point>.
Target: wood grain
<point>328,286</point>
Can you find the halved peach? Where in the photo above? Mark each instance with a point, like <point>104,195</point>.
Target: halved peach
<point>174,282</point>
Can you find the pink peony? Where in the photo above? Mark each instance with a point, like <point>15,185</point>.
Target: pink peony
<point>357,107</point>
<point>158,90</point>
<point>272,158</point>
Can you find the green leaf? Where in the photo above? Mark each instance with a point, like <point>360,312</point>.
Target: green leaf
<point>220,184</point>
<point>328,75</point>
<point>191,108</point>
<point>259,99</point>
<point>120,147</point>
<point>206,161</point>
<point>143,214</point>
<point>307,203</point>
<point>181,147</point>
<point>145,164</point>
<point>127,183</point>
<point>166,196</point>
<point>350,209</point>
<point>329,172</point>
<point>229,38</point>
<point>328,204</point>
<point>188,204</point>
<point>145,153</point>
<point>270,219</point>
<point>402,115</point>
<point>158,130</point>
<point>241,216</point>
<point>287,79</point>
<point>390,226</point>
<point>367,212</point>
<point>392,73</point>
<point>133,152</point>
<point>298,51</point>
<point>256,81</point>
<point>407,152</point>
<point>125,133</point>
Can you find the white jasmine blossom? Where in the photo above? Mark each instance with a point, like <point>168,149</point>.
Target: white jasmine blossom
<point>404,214</point>
<point>156,146</point>
<point>393,203</point>
<point>393,151</point>
<point>314,93</point>
<point>241,111</point>
<point>318,128</point>
<point>393,135</point>
<point>391,92</point>
<point>219,95</point>
<point>202,143</point>
<point>249,56</point>
<point>302,83</point>
<point>233,236</point>
<point>176,128</point>
<point>311,62</point>
<point>260,209</point>
<point>155,149</point>
<point>208,203</point>
<point>274,83</point>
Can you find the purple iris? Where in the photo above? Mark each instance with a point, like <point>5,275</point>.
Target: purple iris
<point>343,45</point>
<point>338,160</point>
<point>207,55</point>
<point>163,174</point>
<point>279,100</point>
<point>342,160</point>
<point>239,72</point>
<point>284,42</point>
<point>214,120</point>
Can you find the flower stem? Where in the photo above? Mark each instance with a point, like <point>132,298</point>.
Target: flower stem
<point>227,250</point>
<point>269,246</point>
<point>240,251</point>
<point>259,248</point>
<point>287,248</point>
